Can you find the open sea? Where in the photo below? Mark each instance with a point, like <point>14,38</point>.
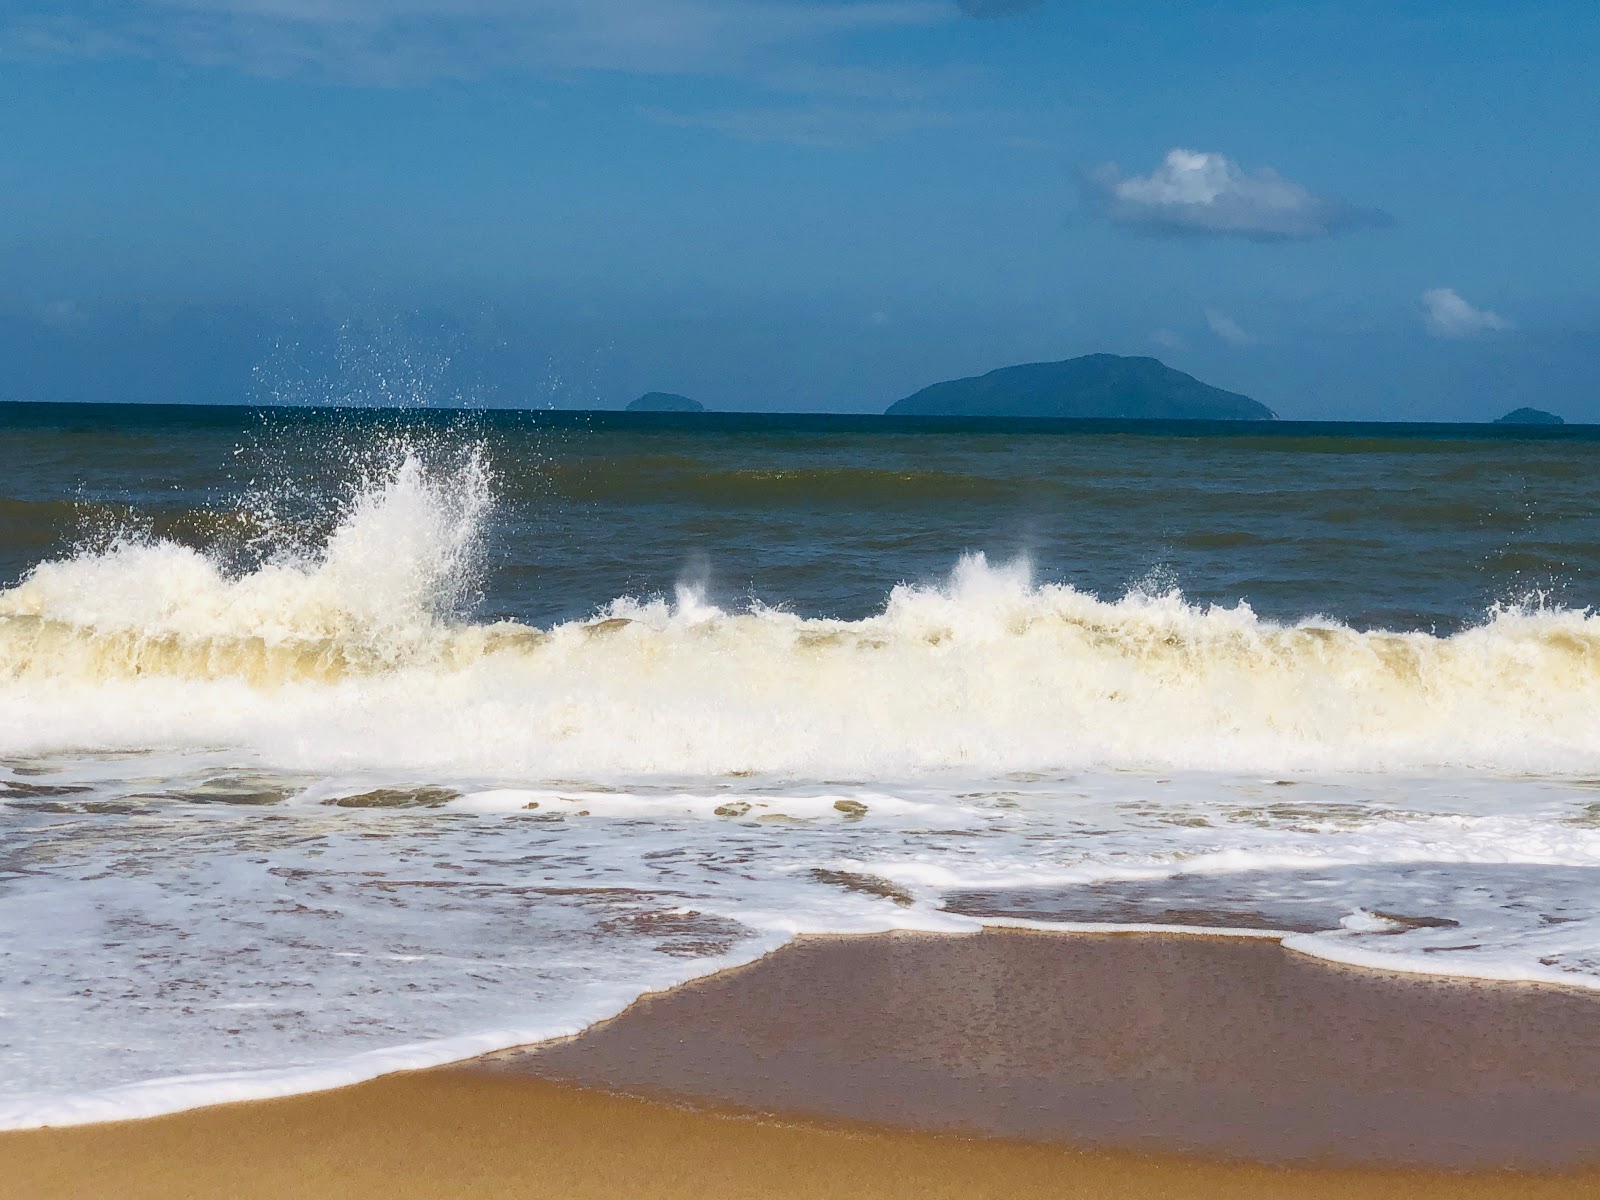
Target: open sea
<point>334,742</point>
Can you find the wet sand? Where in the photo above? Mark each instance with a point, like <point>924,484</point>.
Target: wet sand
<point>1203,1045</point>
<point>1218,1048</point>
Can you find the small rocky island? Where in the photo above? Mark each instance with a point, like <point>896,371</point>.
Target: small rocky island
<point>1096,385</point>
<point>666,402</point>
<point>1530,416</point>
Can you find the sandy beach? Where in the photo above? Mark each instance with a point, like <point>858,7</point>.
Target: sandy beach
<point>1002,1064</point>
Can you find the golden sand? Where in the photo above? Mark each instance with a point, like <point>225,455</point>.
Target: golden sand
<point>478,1136</point>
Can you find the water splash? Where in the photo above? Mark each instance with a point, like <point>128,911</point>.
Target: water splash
<point>401,564</point>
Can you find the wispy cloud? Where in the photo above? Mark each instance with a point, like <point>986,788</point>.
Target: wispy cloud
<point>991,9</point>
<point>1208,194</point>
<point>1447,315</point>
<point>815,126</point>
<point>407,41</point>
<point>853,82</point>
<point>1229,330</point>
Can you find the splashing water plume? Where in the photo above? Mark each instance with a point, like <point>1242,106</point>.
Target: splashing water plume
<point>394,573</point>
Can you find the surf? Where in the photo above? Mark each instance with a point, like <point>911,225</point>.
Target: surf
<point>361,647</point>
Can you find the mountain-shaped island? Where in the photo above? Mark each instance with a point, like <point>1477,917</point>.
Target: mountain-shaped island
<point>1529,416</point>
<point>668,402</point>
<point>1096,385</point>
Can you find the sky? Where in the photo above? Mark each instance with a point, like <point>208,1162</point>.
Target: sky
<point>1372,210</point>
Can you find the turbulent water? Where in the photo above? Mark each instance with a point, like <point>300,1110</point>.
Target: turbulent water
<point>335,742</point>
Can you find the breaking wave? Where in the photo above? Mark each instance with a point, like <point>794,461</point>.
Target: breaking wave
<point>357,650</point>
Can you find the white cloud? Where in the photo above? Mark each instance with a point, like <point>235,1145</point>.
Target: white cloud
<point>1229,330</point>
<point>406,41</point>
<point>1447,315</point>
<point>1167,339</point>
<point>1209,194</point>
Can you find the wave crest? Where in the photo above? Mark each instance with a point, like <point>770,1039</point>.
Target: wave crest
<point>377,593</point>
<point>355,651</point>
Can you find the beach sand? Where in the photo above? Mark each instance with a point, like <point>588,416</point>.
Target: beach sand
<point>1093,1066</point>
<point>1229,1047</point>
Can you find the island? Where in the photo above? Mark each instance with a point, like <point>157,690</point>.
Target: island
<point>666,402</point>
<point>1096,385</point>
<point>1529,416</point>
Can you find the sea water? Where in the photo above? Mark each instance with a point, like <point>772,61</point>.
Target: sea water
<point>333,743</point>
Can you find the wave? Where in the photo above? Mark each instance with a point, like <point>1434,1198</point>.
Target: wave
<point>355,650</point>
<point>395,568</point>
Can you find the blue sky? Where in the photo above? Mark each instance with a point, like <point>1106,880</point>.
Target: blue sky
<point>1344,209</point>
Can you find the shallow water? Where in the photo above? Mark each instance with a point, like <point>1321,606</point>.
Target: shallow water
<point>332,742</point>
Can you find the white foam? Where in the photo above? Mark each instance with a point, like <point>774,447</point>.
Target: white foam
<point>211,942</point>
<point>350,658</point>
<point>393,568</point>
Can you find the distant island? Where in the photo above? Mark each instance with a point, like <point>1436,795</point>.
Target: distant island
<point>1530,416</point>
<point>1096,385</point>
<point>668,402</point>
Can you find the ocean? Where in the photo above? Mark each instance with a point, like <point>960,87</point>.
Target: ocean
<point>338,741</point>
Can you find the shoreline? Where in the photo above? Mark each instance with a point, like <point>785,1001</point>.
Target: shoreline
<point>1002,1063</point>
<point>109,1105</point>
<point>1234,1047</point>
